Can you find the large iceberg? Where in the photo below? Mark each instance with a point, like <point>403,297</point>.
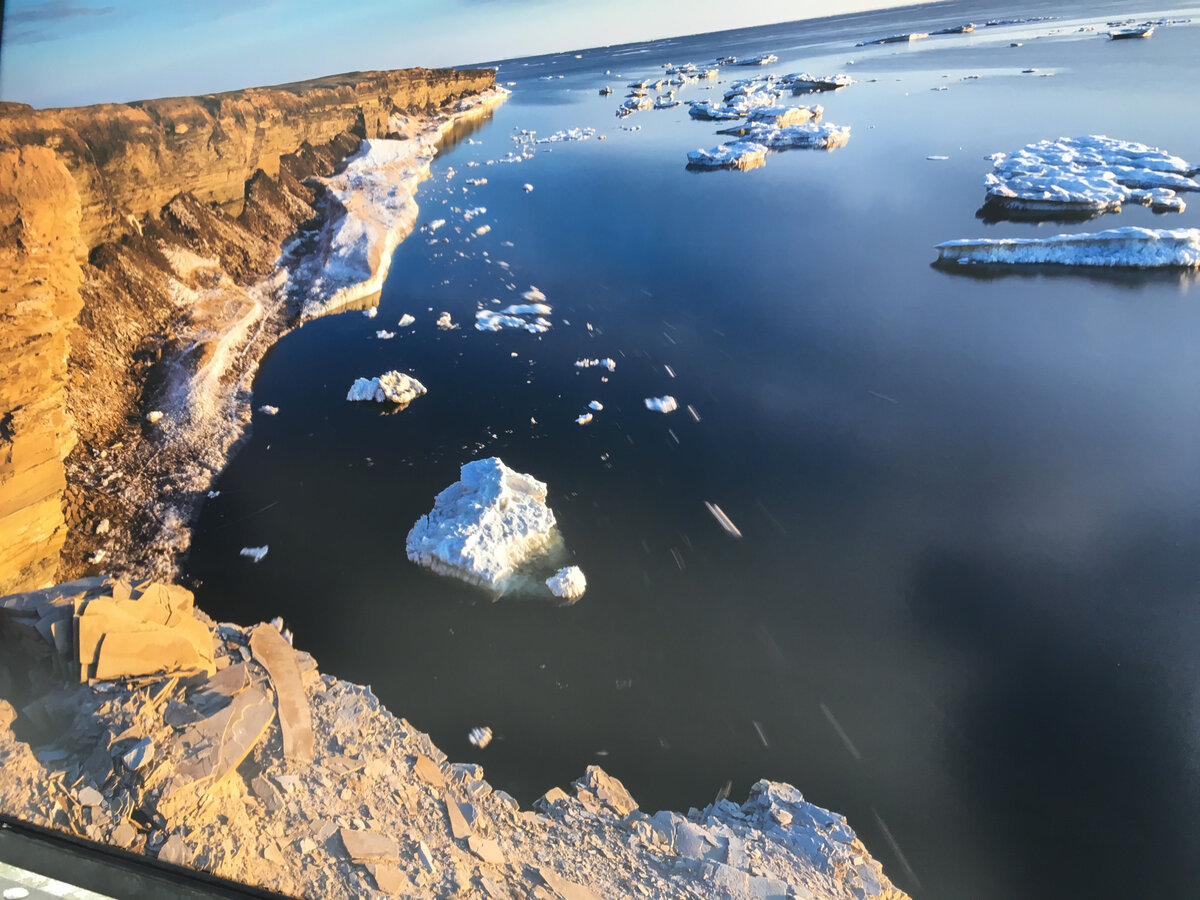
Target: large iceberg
<point>485,526</point>
<point>390,387</point>
<point>1118,247</point>
<point>1085,177</point>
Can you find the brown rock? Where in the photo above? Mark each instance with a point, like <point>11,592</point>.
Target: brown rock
<point>565,889</point>
<point>175,852</point>
<point>389,879</point>
<point>487,850</point>
<point>429,772</point>
<point>295,718</point>
<point>607,790</point>
<point>458,825</point>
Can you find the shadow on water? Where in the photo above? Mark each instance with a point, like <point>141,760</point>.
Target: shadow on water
<point>1065,743</point>
<point>1128,278</point>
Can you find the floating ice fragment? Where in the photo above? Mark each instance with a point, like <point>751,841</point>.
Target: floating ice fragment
<point>268,410</point>
<point>436,224</point>
<point>476,182</point>
<point>480,737</point>
<point>568,583</point>
<point>213,495</point>
<point>372,312</point>
<point>385,335</point>
<point>482,230</point>
<point>602,363</point>
<point>390,387</point>
<point>737,155</point>
<point>406,320</point>
<point>584,419</point>
<point>803,82</point>
<point>255,554</point>
<point>484,526</point>
<point>533,295</point>
<point>154,416</point>
<point>662,404</point>
<point>596,405</point>
<point>528,187</point>
<point>97,557</point>
<point>444,323</point>
<point>1118,247</point>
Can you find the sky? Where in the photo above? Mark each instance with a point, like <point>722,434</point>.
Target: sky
<point>74,52</point>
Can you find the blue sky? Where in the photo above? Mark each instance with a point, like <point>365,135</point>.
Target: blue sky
<point>69,52</point>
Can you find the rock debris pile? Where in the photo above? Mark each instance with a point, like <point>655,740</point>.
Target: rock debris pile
<point>258,768</point>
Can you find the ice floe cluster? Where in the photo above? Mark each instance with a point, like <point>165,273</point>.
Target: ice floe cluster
<point>390,387</point>
<point>1084,177</point>
<point>529,316</point>
<point>485,526</point>
<point>1118,247</point>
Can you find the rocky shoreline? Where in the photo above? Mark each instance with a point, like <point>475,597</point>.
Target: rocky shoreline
<point>241,758</point>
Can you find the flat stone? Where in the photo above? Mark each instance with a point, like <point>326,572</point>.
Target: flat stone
<point>229,734</point>
<point>567,890</point>
<point>487,850</point>
<point>390,879</point>
<point>425,857</point>
<point>138,755</point>
<point>295,717</point>
<point>458,825</point>
<point>175,852</point>
<point>429,772</point>
<point>267,793</point>
<point>124,835</point>
<point>363,846</point>
<point>89,796</point>
<point>272,853</point>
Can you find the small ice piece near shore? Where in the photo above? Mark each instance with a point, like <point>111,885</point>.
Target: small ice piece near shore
<point>255,554</point>
<point>568,583</point>
<point>406,320</point>
<point>371,312</point>
<point>444,323</point>
<point>741,155</point>
<point>480,737</point>
<point>1118,247</point>
<point>584,419</point>
<point>662,404</point>
<point>596,405</point>
<point>385,335</point>
<point>390,387</point>
<point>268,410</point>
<point>485,526</point>
<point>154,416</point>
<point>528,188</point>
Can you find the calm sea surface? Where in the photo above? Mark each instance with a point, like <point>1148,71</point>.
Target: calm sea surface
<point>964,611</point>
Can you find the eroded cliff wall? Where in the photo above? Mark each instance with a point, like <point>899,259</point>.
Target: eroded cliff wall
<point>89,199</point>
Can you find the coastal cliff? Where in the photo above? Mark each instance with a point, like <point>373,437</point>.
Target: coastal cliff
<point>122,228</point>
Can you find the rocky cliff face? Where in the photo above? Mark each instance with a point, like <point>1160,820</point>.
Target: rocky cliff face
<point>114,219</point>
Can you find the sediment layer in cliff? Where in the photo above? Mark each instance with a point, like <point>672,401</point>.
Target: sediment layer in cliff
<point>123,227</point>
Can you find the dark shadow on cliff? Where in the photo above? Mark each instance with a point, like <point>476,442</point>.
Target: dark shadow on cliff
<point>1070,753</point>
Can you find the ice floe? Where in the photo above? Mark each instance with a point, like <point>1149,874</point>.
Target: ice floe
<point>1085,176</point>
<point>596,405</point>
<point>385,335</point>
<point>776,117</point>
<point>662,404</point>
<point>268,410</point>
<point>480,737</point>
<point>895,39</point>
<point>568,583</point>
<point>1118,247</point>
<point>517,316</point>
<point>406,320</point>
<point>254,554</point>
<point>485,526</point>
<point>444,322</point>
<point>808,135</point>
<point>390,387</point>
<point>765,59</point>
<point>735,155</point>
<point>584,419</point>
<point>605,363</point>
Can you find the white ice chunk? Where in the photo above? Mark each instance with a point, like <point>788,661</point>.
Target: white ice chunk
<point>662,404</point>
<point>584,419</point>
<point>568,583</point>
<point>268,410</point>
<point>533,295</point>
<point>385,335</point>
<point>1087,175</point>
<point>485,526</point>
<point>480,737</point>
<point>806,136</point>
<point>154,416</point>
<point>371,312</point>
<point>596,405</point>
<point>737,155</point>
<point>528,187</point>
<point>406,320</point>
<point>444,323</point>
<point>255,553</point>
<point>436,224</point>
<point>1120,247</point>
<point>390,387</point>
<point>801,82</point>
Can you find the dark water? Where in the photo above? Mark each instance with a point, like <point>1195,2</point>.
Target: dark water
<point>964,610</point>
